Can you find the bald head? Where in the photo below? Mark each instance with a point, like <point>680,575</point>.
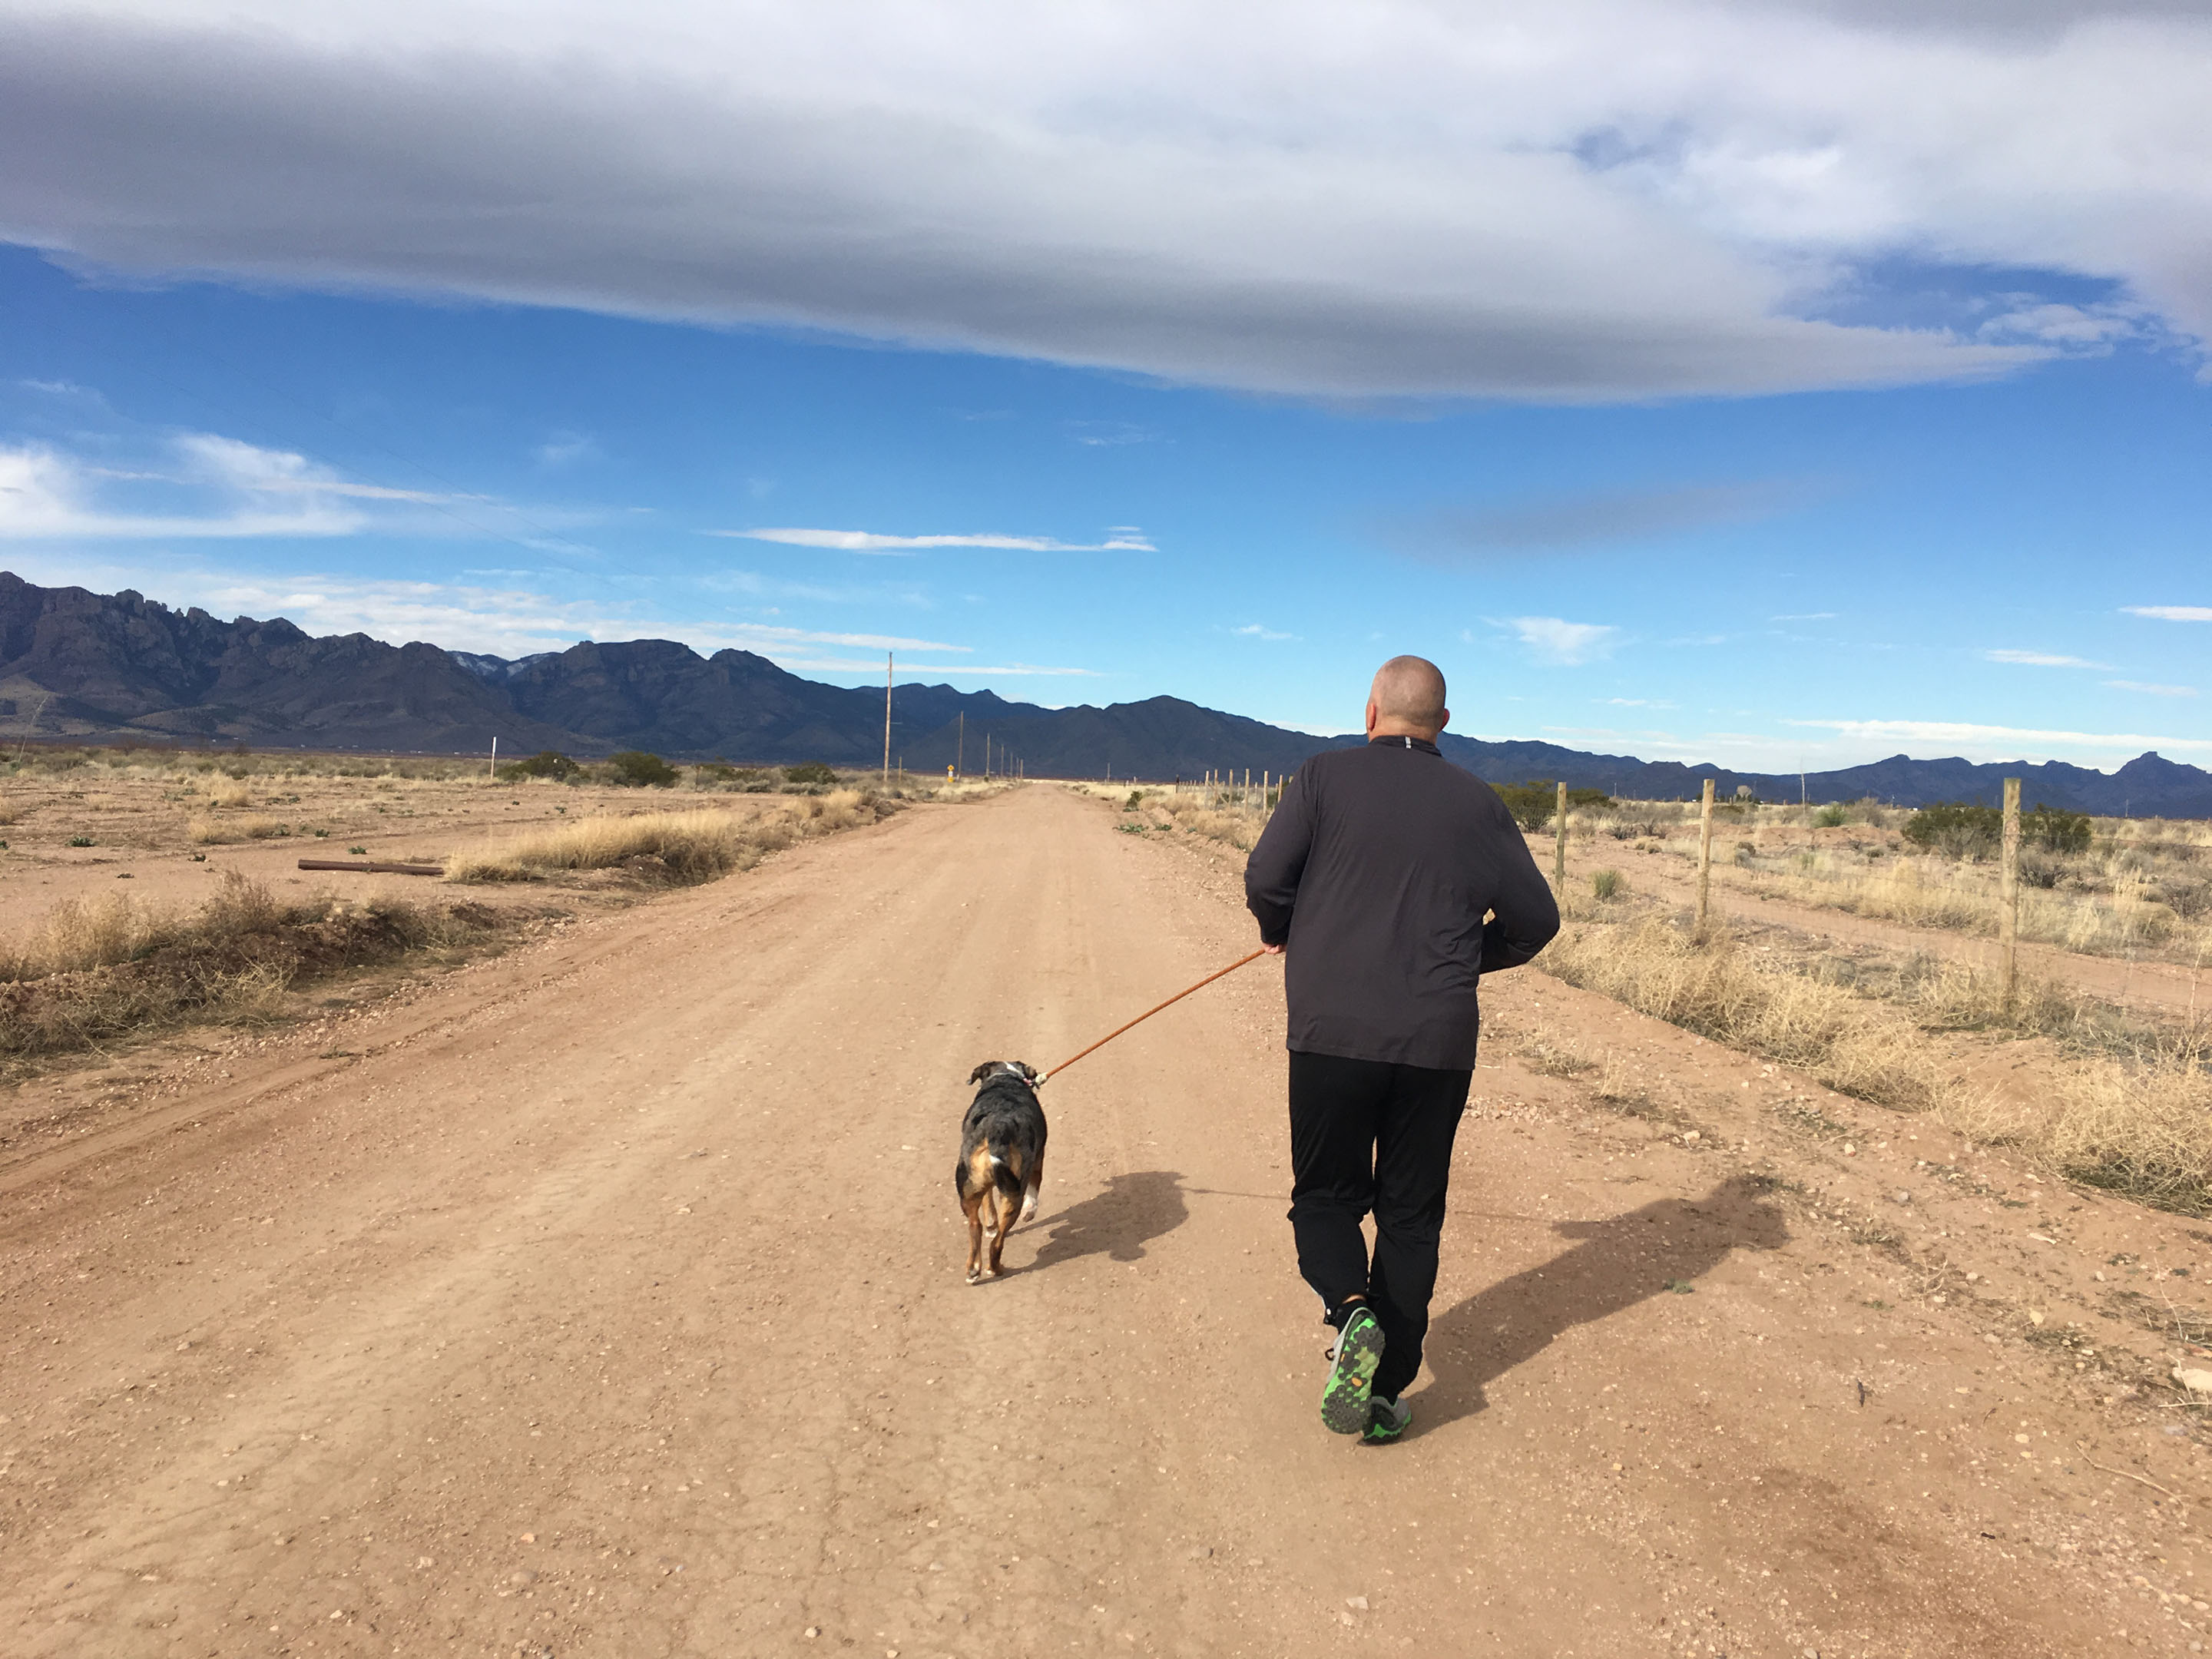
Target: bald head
<point>1407,700</point>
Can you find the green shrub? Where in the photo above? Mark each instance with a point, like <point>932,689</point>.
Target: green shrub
<point>1829,818</point>
<point>1607,884</point>
<point>545,763</point>
<point>1966,831</point>
<point>635,769</point>
<point>809,772</point>
<point>1531,804</point>
<point>1136,799</point>
<point>79,840</point>
<point>2055,830</point>
<point>1958,829</point>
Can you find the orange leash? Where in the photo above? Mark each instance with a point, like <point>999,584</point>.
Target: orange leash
<point>1149,1012</point>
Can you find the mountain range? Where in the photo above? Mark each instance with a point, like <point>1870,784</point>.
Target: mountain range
<point>113,666</point>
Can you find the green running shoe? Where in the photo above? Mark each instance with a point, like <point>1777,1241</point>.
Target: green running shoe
<point>1344,1397</point>
<point>1386,1420</point>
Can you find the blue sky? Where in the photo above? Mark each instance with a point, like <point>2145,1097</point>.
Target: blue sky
<point>1745,479</point>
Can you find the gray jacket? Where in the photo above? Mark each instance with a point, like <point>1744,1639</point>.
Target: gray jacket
<point>1377,871</point>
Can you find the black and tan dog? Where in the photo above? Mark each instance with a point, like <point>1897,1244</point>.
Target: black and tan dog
<point>1001,1158</point>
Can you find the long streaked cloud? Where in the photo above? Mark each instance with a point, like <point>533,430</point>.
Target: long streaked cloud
<point>2043,659</point>
<point>1986,738</point>
<point>2149,689</point>
<point>1585,199</point>
<point>869,541</point>
<point>2171,612</point>
<point>239,490</point>
<point>908,671</point>
<point>503,618</point>
<point>193,486</point>
<point>1481,534</point>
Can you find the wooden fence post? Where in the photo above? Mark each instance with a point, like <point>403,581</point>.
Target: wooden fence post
<point>1559,853</point>
<point>1705,860</point>
<point>2009,895</point>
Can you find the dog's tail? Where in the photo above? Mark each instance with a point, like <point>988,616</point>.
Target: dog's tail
<point>1004,1177</point>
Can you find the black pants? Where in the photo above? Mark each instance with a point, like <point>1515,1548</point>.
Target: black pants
<point>1365,1136</point>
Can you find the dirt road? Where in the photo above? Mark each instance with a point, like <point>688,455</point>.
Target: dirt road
<point>606,1299</point>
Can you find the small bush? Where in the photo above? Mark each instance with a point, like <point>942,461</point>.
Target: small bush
<point>1136,799</point>
<point>1961,829</point>
<point>79,840</point>
<point>809,772</point>
<point>634,768</point>
<point>2054,830</point>
<point>1607,884</point>
<point>1832,817</point>
<point>1531,804</point>
<point>545,763</point>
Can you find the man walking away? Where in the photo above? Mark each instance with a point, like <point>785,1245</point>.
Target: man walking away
<point>1375,874</point>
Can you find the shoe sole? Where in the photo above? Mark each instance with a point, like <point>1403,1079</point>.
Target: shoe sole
<point>1344,1397</point>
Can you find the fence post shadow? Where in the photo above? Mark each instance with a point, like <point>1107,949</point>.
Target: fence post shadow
<point>1134,1209</point>
<point>1617,1263</point>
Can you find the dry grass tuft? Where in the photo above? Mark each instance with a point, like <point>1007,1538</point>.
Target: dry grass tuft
<point>228,792</point>
<point>1856,1046</point>
<point>96,971</point>
<point>80,933</point>
<point>207,831</point>
<point>2131,1110</point>
<point>685,847</point>
<point>2143,1130</point>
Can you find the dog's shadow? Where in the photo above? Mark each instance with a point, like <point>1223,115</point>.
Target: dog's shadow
<point>1133,1211</point>
<point>1620,1262</point>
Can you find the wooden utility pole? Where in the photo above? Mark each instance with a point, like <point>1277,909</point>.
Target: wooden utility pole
<point>1559,853</point>
<point>1705,860</point>
<point>2009,895</point>
<point>494,755</point>
<point>889,660</point>
<point>960,753</point>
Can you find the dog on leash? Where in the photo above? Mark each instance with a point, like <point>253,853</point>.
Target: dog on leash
<point>1001,1158</point>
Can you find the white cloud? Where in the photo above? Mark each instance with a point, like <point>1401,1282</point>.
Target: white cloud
<point>197,485</point>
<point>1806,616</point>
<point>1568,643</point>
<point>2001,742</point>
<point>2171,612</point>
<point>46,494</point>
<point>565,449</point>
<point>1580,199</point>
<point>2044,659</point>
<point>1259,631</point>
<point>2153,690</point>
<point>867,541</point>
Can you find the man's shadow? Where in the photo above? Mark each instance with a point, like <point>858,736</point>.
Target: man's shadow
<point>1133,1210</point>
<point>1619,1263</point>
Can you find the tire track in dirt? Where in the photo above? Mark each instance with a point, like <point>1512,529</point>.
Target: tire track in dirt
<point>619,1310</point>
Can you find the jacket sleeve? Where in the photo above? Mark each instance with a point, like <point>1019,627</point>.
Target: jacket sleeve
<point>1279,861</point>
<point>1524,915</point>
